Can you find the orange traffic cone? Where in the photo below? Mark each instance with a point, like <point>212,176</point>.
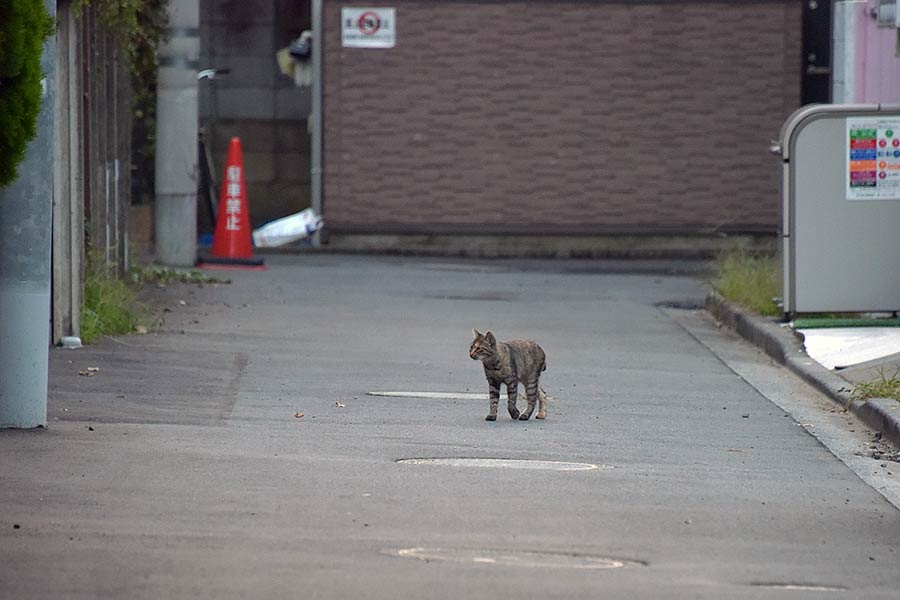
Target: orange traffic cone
<point>232,247</point>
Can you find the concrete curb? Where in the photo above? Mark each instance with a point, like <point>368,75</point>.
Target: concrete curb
<point>545,246</point>
<point>882,414</point>
<point>786,347</point>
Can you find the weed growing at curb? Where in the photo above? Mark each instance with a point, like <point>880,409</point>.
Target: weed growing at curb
<point>883,387</point>
<point>110,304</point>
<point>749,280</point>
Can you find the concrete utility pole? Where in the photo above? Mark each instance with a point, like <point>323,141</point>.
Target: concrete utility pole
<point>315,127</point>
<point>176,137</point>
<point>26,216</point>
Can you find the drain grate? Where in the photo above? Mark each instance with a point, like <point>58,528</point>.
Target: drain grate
<point>517,558</point>
<point>505,463</point>
<point>681,305</point>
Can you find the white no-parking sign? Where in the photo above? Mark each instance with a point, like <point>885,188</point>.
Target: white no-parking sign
<point>367,27</point>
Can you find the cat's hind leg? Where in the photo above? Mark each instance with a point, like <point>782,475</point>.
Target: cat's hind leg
<point>542,404</point>
<point>531,393</point>
<point>494,394</point>
<point>512,394</point>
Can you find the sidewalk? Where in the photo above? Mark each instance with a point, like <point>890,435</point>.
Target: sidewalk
<point>786,347</point>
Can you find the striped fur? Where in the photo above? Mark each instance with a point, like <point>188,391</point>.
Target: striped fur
<point>510,363</point>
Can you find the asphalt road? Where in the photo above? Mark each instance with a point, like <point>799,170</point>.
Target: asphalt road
<point>669,466</point>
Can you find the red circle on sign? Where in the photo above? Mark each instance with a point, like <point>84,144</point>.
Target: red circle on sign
<point>368,23</point>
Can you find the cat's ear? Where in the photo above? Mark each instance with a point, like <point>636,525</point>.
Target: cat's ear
<point>477,335</point>
<point>490,338</point>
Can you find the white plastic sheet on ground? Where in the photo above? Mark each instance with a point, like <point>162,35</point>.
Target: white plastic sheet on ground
<point>848,346</point>
<point>287,230</point>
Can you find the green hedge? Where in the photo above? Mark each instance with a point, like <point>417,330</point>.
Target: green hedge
<point>24,25</point>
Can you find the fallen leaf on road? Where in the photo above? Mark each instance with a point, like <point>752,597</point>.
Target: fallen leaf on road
<point>339,405</point>
<point>141,329</point>
<point>298,415</point>
<point>89,372</point>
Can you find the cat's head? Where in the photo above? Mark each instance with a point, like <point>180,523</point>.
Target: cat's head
<point>483,346</point>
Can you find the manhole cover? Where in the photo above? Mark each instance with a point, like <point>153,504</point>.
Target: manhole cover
<point>516,558</point>
<point>505,463</point>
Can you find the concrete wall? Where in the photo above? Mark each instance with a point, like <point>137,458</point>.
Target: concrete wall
<point>255,101</point>
<point>560,116</point>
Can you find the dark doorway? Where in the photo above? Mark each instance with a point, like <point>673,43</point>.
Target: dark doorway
<point>816,59</point>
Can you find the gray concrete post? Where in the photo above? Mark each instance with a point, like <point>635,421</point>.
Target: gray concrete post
<point>26,216</point>
<point>176,137</point>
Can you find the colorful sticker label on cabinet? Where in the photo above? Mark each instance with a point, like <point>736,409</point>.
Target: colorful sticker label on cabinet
<point>873,158</point>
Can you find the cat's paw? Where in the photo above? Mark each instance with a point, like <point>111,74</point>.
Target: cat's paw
<point>524,417</point>
<point>514,415</point>
<point>541,416</point>
<point>491,418</point>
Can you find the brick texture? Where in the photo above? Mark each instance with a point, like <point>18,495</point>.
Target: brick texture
<point>562,117</point>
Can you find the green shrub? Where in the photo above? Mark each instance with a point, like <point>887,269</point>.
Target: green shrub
<point>24,25</point>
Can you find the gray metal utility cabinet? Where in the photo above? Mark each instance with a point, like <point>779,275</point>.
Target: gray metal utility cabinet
<point>841,214</point>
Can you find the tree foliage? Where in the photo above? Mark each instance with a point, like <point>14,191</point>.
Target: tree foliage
<point>137,25</point>
<point>24,25</point>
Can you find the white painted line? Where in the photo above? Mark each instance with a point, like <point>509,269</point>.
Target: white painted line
<point>449,395</point>
<point>505,463</point>
<point>431,395</point>
<point>515,558</point>
<point>800,587</point>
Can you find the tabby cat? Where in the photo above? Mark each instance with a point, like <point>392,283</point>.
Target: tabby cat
<point>510,363</point>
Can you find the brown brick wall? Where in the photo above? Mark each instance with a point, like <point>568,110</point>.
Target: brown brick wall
<point>560,117</point>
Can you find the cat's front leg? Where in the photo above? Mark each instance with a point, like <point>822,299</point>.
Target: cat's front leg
<point>494,395</point>
<point>512,394</point>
